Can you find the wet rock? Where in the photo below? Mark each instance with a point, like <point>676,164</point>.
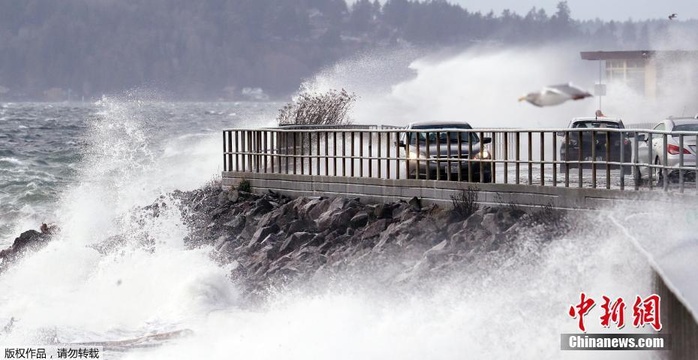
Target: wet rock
<point>237,223</point>
<point>277,240</point>
<point>261,234</point>
<point>383,211</point>
<point>262,206</point>
<point>437,252</point>
<point>359,220</point>
<point>294,241</point>
<point>489,223</point>
<point>338,218</point>
<point>416,203</point>
<point>374,229</point>
<point>30,240</point>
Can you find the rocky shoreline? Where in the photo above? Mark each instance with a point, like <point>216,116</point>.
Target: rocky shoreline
<point>271,241</point>
<point>275,241</point>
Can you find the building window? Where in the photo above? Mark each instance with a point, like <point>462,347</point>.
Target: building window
<point>630,72</point>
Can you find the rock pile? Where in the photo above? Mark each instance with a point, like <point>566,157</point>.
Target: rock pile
<point>273,240</point>
<point>29,240</point>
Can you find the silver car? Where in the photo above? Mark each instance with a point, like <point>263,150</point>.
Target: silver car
<point>678,152</point>
<point>444,151</point>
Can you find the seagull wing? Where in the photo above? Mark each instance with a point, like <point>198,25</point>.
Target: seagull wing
<point>570,91</point>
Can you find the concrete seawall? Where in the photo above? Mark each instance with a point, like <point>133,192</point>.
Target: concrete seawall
<point>440,192</point>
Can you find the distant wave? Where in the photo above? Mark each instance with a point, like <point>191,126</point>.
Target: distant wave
<point>11,160</point>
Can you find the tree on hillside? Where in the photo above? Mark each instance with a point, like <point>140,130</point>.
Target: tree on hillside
<point>561,23</point>
<point>362,17</point>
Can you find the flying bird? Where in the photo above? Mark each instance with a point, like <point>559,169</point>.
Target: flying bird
<point>555,95</point>
<point>673,16</point>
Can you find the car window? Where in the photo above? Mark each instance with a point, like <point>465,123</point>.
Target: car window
<point>442,137</point>
<point>686,127</point>
<point>660,126</point>
<point>447,131</point>
<point>595,124</point>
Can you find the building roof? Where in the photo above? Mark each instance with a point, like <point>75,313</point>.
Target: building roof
<point>635,54</point>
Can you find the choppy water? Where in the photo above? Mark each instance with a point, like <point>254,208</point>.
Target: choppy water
<point>47,149</point>
<point>85,166</point>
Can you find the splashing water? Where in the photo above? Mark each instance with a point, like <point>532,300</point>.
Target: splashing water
<point>69,291</point>
<point>151,283</point>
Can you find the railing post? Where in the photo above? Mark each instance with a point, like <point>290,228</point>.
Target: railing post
<point>438,154</point>
<point>225,152</point>
<point>650,162</point>
<point>344,153</point>
<point>554,159</point>
<point>518,157</point>
<point>257,145</point>
<point>506,157</point>
<point>608,159</point>
<point>397,155</point>
<point>580,165</point>
<point>542,158</point>
<point>665,160</point>
<point>418,163</point>
<point>470,155</point>
<point>621,142</point>
<point>237,151</point>
<point>327,153</point>
<point>493,156</point>
<point>482,161</point>
<point>680,163</point>
<point>351,148</point>
<point>530,157</point>
<point>637,178</point>
<point>459,137</point>
<point>448,156</point>
<point>361,153</point>
<point>427,167</point>
<point>593,159</point>
<point>264,157</point>
<point>379,163</point>
<point>318,159</point>
<point>334,153</point>
<point>567,158</point>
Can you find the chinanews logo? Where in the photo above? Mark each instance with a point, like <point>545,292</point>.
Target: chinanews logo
<point>645,312</point>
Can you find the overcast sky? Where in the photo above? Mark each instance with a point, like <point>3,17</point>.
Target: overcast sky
<point>620,10</point>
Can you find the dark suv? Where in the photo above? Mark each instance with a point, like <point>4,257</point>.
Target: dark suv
<point>445,151</point>
<point>593,143</point>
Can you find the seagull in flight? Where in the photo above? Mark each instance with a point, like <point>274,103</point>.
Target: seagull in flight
<point>555,95</point>
<point>673,16</point>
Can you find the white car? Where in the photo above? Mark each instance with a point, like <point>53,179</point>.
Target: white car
<point>683,132</point>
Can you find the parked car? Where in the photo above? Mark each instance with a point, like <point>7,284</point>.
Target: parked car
<point>652,151</point>
<point>595,144</point>
<point>442,150</point>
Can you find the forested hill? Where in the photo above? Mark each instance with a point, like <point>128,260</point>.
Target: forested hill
<point>221,49</point>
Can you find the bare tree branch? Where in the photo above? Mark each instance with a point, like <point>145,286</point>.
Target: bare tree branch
<point>330,108</point>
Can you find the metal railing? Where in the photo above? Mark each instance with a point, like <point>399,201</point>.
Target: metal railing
<point>595,158</point>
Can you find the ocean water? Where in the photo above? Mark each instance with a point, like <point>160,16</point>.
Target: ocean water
<point>84,167</point>
<point>122,147</point>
